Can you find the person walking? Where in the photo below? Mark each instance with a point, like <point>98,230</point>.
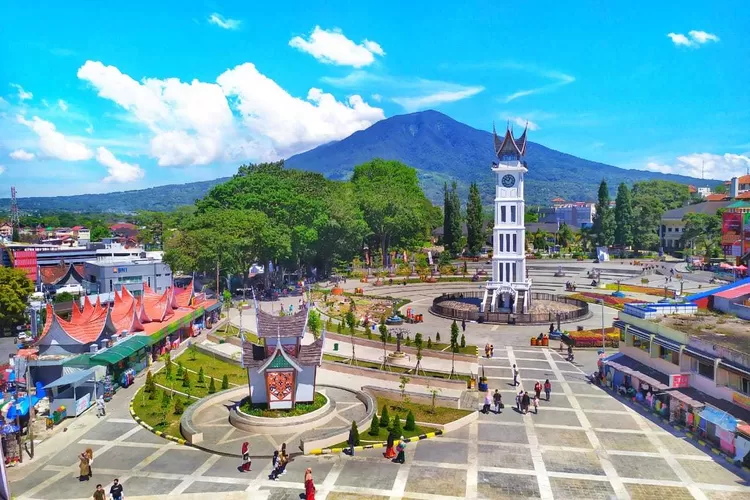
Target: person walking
<point>100,410</point>
<point>497,398</point>
<point>487,403</point>
<point>309,485</point>
<point>116,490</point>
<point>547,388</point>
<point>519,397</point>
<point>536,404</point>
<point>463,325</point>
<point>84,468</point>
<point>90,456</point>
<point>538,389</point>
<point>487,350</point>
<point>283,459</point>
<point>515,376</point>
<point>401,449</point>
<point>99,493</point>
<point>492,351</point>
<point>351,442</point>
<point>275,462</point>
<point>246,462</point>
<point>525,402</point>
<point>390,452</point>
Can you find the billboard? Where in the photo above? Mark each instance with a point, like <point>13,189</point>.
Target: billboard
<point>26,260</point>
<point>731,228</point>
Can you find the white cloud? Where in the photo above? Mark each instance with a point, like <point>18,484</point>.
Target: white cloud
<point>561,79</point>
<point>54,143</point>
<point>694,39</point>
<point>2,169</point>
<point>523,122</point>
<point>425,101</point>
<point>20,154</point>
<point>224,22</point>
<point>3,102</point>
<point>333,47</point>
<point>376,97</point>
<point>62,105</point>
<point>193,123</point>
<point>119,171</point>
<point>22,94</point>
<point>705,165</point>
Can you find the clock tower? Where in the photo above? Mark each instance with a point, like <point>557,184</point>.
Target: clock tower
<point>509,288</point>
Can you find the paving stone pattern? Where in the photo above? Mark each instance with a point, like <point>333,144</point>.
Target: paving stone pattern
<point>583,444</point>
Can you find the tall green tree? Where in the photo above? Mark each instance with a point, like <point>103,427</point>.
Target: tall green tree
<point>604,223</point>
<point>671,194</point>
<point>647,212</point>
<point>565,235</point>
<point>456,221</point>
<point>15,289</point>
<point>454,346</point>
<point>623,217</point>
<point>702,233</point>
<point>474,220</point>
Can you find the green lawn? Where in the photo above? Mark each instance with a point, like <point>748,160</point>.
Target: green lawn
<point>196,390</point>
<point>422,413</point>
<point>261,409</point>
<point>215,367</point>
<point>152,412</point>
<point>233,331</point>
<point>436,346</point>
<point>394,368</point>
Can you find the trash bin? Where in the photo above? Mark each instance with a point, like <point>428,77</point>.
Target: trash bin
<point>335,346</point>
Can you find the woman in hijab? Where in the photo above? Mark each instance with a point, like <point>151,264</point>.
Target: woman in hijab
<point>309,486</point>
<point>390,452</point>
<point>401,448</point>
<point>246,462</point>
<point>90,456</point>
<point>84,467</point>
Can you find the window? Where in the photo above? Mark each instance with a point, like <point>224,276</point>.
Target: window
<point>502,241</point>
<point>502,214</point>
<point>513,213</point>
<point>500,272</point>
<point>643,345</point>
<point>149,281</point>
<point>703,369</point>
<point>738,382</point>
<point>110,285</point>
<point>507,271</point>
<point>669,229</point>
<point>669,355</point>
<point>507,242</point>
<point>515,242</point>
<point>514,273</point>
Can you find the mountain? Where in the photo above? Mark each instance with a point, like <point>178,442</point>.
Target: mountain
<point>442,149</point>
<point>439,147</point>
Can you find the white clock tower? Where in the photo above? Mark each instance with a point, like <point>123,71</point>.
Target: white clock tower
<point>509,288</point>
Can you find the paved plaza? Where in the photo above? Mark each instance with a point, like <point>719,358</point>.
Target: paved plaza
<point>582,444</point>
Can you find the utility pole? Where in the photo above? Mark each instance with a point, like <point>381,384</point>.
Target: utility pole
<point>31,410</point>
<point>217,279</point>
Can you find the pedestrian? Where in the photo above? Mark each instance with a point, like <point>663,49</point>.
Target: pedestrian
<point>519,397</point>
<point>536,404</point>
<point>309,486</point>
<point>515,376</point>
<point>90,457</point>
<point>390,452</point>
<point>275,461</point>
<point>116,490</point>
<point>498,400</point>
<point>463,325</point>
<point>84,468</point>
<point>401,448</point>
<point>492,351</point>
<point>487,350</point>
<point>551,327</point>
<point>525,402</point>
<point>351,441</point>
<point>538,388</point>
<point>487,403</point>
<point>246,462</point>
<point>99,494</point>
<point>283,459</point>
<point>547,388</point>
<point>100,410</point>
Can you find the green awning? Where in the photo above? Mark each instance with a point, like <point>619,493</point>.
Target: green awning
<point>122,350</point>
<point>81,360</point>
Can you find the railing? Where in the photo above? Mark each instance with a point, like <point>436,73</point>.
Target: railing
<point>490,317</point>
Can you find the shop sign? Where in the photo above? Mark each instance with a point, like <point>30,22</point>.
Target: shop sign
<point>83,403</point>
<point>741,400</point>
<point>679,380</point>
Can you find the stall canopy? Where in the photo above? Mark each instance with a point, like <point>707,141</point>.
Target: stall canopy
<point>122,350</point>
<point>636,371</point>
<point>719,418</point>
<point>74,378</point>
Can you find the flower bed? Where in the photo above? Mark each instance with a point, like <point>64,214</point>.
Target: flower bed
<point>593,338</point>
<point>648,290</point>
<point>609,300</point>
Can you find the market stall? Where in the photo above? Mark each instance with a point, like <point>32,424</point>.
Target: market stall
<point>127,357</point>
<point>74,393</point>
<point>718,427</point>
<point>682,408</point>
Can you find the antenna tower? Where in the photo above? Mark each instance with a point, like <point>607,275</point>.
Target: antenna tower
<point>14,220</point>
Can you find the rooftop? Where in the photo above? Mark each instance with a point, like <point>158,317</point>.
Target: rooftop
<point>706,207</point>
<point>723,330</point>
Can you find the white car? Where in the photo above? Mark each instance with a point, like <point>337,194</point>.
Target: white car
<point>72,289</point>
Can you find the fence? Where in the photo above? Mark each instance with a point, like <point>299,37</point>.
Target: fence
<point>510,318</point>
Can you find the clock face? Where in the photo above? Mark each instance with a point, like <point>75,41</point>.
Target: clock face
<point>508,180</point>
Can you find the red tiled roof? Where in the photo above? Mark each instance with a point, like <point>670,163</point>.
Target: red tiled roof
<point>183,296</point>
<point>743,196</point>
<point>744,179</point>
<point>88,331</point>
<point>123,225</point>
<point>558,199</point>
<point>158,307</point>
<point>717,197</point>
<point>692,189</point>
<point>52,274</point>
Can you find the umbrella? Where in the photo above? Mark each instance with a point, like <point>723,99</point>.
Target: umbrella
<point>741,267</point>
<point>725,265</point>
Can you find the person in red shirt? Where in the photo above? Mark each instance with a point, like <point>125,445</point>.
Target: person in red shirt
<point>309,486</point>
<point>538,389</point>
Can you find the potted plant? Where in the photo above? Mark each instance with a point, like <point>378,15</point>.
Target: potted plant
<point>483,386</point>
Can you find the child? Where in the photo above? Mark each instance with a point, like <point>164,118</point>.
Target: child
<point>536,404</point>
<point>275,466</point>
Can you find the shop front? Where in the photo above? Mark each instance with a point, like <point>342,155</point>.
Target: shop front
<point>125,359</point>
<point>718,427</point>
<point>682,408</point>
<point>74,393</point>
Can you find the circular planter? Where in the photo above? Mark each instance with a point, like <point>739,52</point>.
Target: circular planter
<point>281,425</point>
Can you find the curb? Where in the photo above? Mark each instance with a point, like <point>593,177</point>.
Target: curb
<point>152,430</point>
<point>707,446</point>
<point>329,451</point>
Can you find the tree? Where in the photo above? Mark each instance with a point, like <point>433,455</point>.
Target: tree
<point>180,370</point>
<point>186,382</point>
<point>411,424</point>
<point>434,391</point>
<point>647,212</point>
<point>721,189</point>
<point>99,232</point>
<point>201,376</point>
<point>396,426</point>
<point>623,217</point>
<point>14,234</point>
<point>463,340</point>
<point>166,400</point>
<point>419,343</point>
<point>351,320</point>
<point>454,346</point>
<point>211,386</point>
<point>429,342</point>
<point>224,382</point>
<point>314,323</point>
<point>383,330</point>
<point>384,417</point>
<point>474,220</point>
<point>15,289</point>
<point>168,365</point>
<point>355,434</point>
<point>63,297</point>
<point>565,235</point>
<point>671,194</point>
<point>179,407</point>
<point>452,219</point>
<point>702,232</point>
<point>604,223</point>
<point>539,239</point>
<point>392,203</point>
<point>403,382</point>
<point>374,426</point>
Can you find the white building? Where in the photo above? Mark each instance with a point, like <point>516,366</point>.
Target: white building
<point>509,283</point>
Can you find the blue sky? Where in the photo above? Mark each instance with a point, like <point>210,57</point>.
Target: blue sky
<point>98,99</point>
